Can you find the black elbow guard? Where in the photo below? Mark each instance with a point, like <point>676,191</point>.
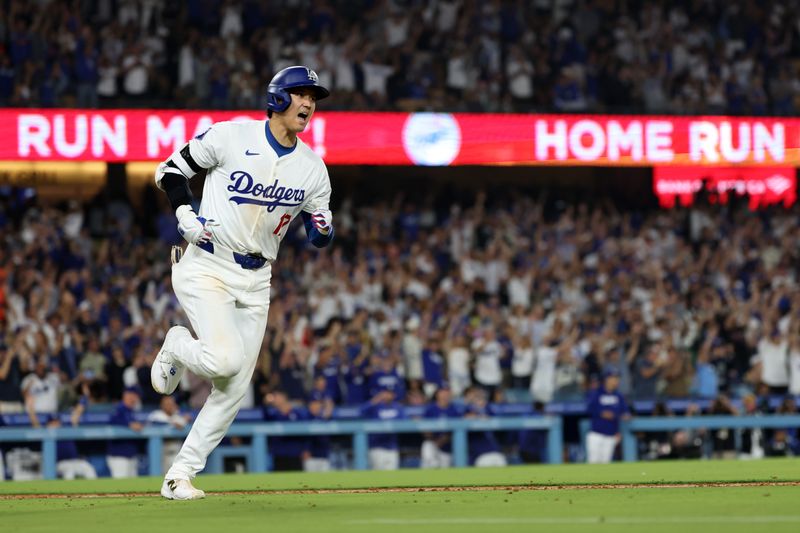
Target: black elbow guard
<point>187,156</point>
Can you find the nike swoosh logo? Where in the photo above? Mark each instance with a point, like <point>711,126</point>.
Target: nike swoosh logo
<point>248,152</point>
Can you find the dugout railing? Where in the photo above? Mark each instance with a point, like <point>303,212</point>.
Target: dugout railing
<point>259,434</point>
<point>630,428</point>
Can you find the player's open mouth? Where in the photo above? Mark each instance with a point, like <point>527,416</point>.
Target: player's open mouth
<point>303,116</point>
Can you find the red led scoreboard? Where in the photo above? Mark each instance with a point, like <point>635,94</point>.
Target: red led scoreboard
<point>757,155</point>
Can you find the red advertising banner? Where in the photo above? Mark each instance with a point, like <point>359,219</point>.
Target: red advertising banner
<point>419,138</point>
<point>760,185</point>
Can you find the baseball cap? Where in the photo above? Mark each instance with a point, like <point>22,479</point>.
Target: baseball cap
<point>135,389</point>
<point>611,372</point>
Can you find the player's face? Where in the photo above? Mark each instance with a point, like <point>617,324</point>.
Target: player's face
<point>611,383</point>
<point>130,399</point>
<point>168,405</point>
<point>298,115</point>
<point>443,396</point>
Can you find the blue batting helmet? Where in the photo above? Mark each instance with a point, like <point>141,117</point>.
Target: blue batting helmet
<point>278,98</point>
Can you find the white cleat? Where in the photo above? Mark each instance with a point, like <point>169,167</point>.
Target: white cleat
<point>166,372</point>
<point>180,489</point>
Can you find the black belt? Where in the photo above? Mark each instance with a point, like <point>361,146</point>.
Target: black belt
<point>246,261</point>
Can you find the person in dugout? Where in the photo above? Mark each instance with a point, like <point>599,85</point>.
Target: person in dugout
<point>606,407</point>
<point>287,452</point>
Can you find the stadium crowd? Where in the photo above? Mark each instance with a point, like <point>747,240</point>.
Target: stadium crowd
<point>498,293</point>
<point>452,308</point>
<point>735,57</point>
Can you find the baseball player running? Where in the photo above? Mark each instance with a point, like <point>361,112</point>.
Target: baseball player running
<point>260,176</point>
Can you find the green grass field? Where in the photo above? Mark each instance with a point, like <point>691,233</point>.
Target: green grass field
<point>575,506</point>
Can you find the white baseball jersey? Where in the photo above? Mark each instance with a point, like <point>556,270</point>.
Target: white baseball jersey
<point>252,192</point>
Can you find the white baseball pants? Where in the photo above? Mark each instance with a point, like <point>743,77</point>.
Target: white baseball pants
<point>316,464</point>
<point>227,306</point>
<point>491,459</point>
<point>384,459</point>
<point>600,448</point>
<point>122,467</point>
<point>75,468</point>
<point>433,457</point>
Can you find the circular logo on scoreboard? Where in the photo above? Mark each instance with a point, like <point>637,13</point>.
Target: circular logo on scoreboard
<point>431,139</point>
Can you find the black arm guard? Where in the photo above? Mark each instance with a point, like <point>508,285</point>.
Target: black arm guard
<point>177,189</point>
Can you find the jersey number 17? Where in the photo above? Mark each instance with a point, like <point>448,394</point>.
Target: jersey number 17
<point>285,219</point>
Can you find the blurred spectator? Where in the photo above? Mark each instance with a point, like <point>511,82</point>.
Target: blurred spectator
<point>69,463</point>
<point>677,374</point>
<point>287,452</point>
<point>433,365</point>
<point>319,390</point>
<point>569,380</point>
<point>706,383</point>
<point>519,70</point>
<point>289,366</point>
<point>40,391</point>
<point>317,457</point>
<point>568,93</point>
<point>607,408</point>
<point>136,74</point>
<point>412,349</point>
<point>522,362</point>
<point>785,441</point>
<point>649,369</point>
<point>115,372</point>
<point>327,371</point>
<point>123,454</point>
<point>87,75</point>
<point>383,447</point>
<point>458,372</point>
<point>544,375</point>
<point>532,443</point>
<point>168,414</point>
<point>52,83</point>
<point>11,372</point>
<point>753,440</point>
<point>657,444</point>
<point>358,365</point>
<point>723,441</point>
<point>772,355</point>
<point>93,362</point>
<point>688,443</point>
<point>385,377</point>
<point>437,448</point>
<point>484,449</point>
<point>488,353</point>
